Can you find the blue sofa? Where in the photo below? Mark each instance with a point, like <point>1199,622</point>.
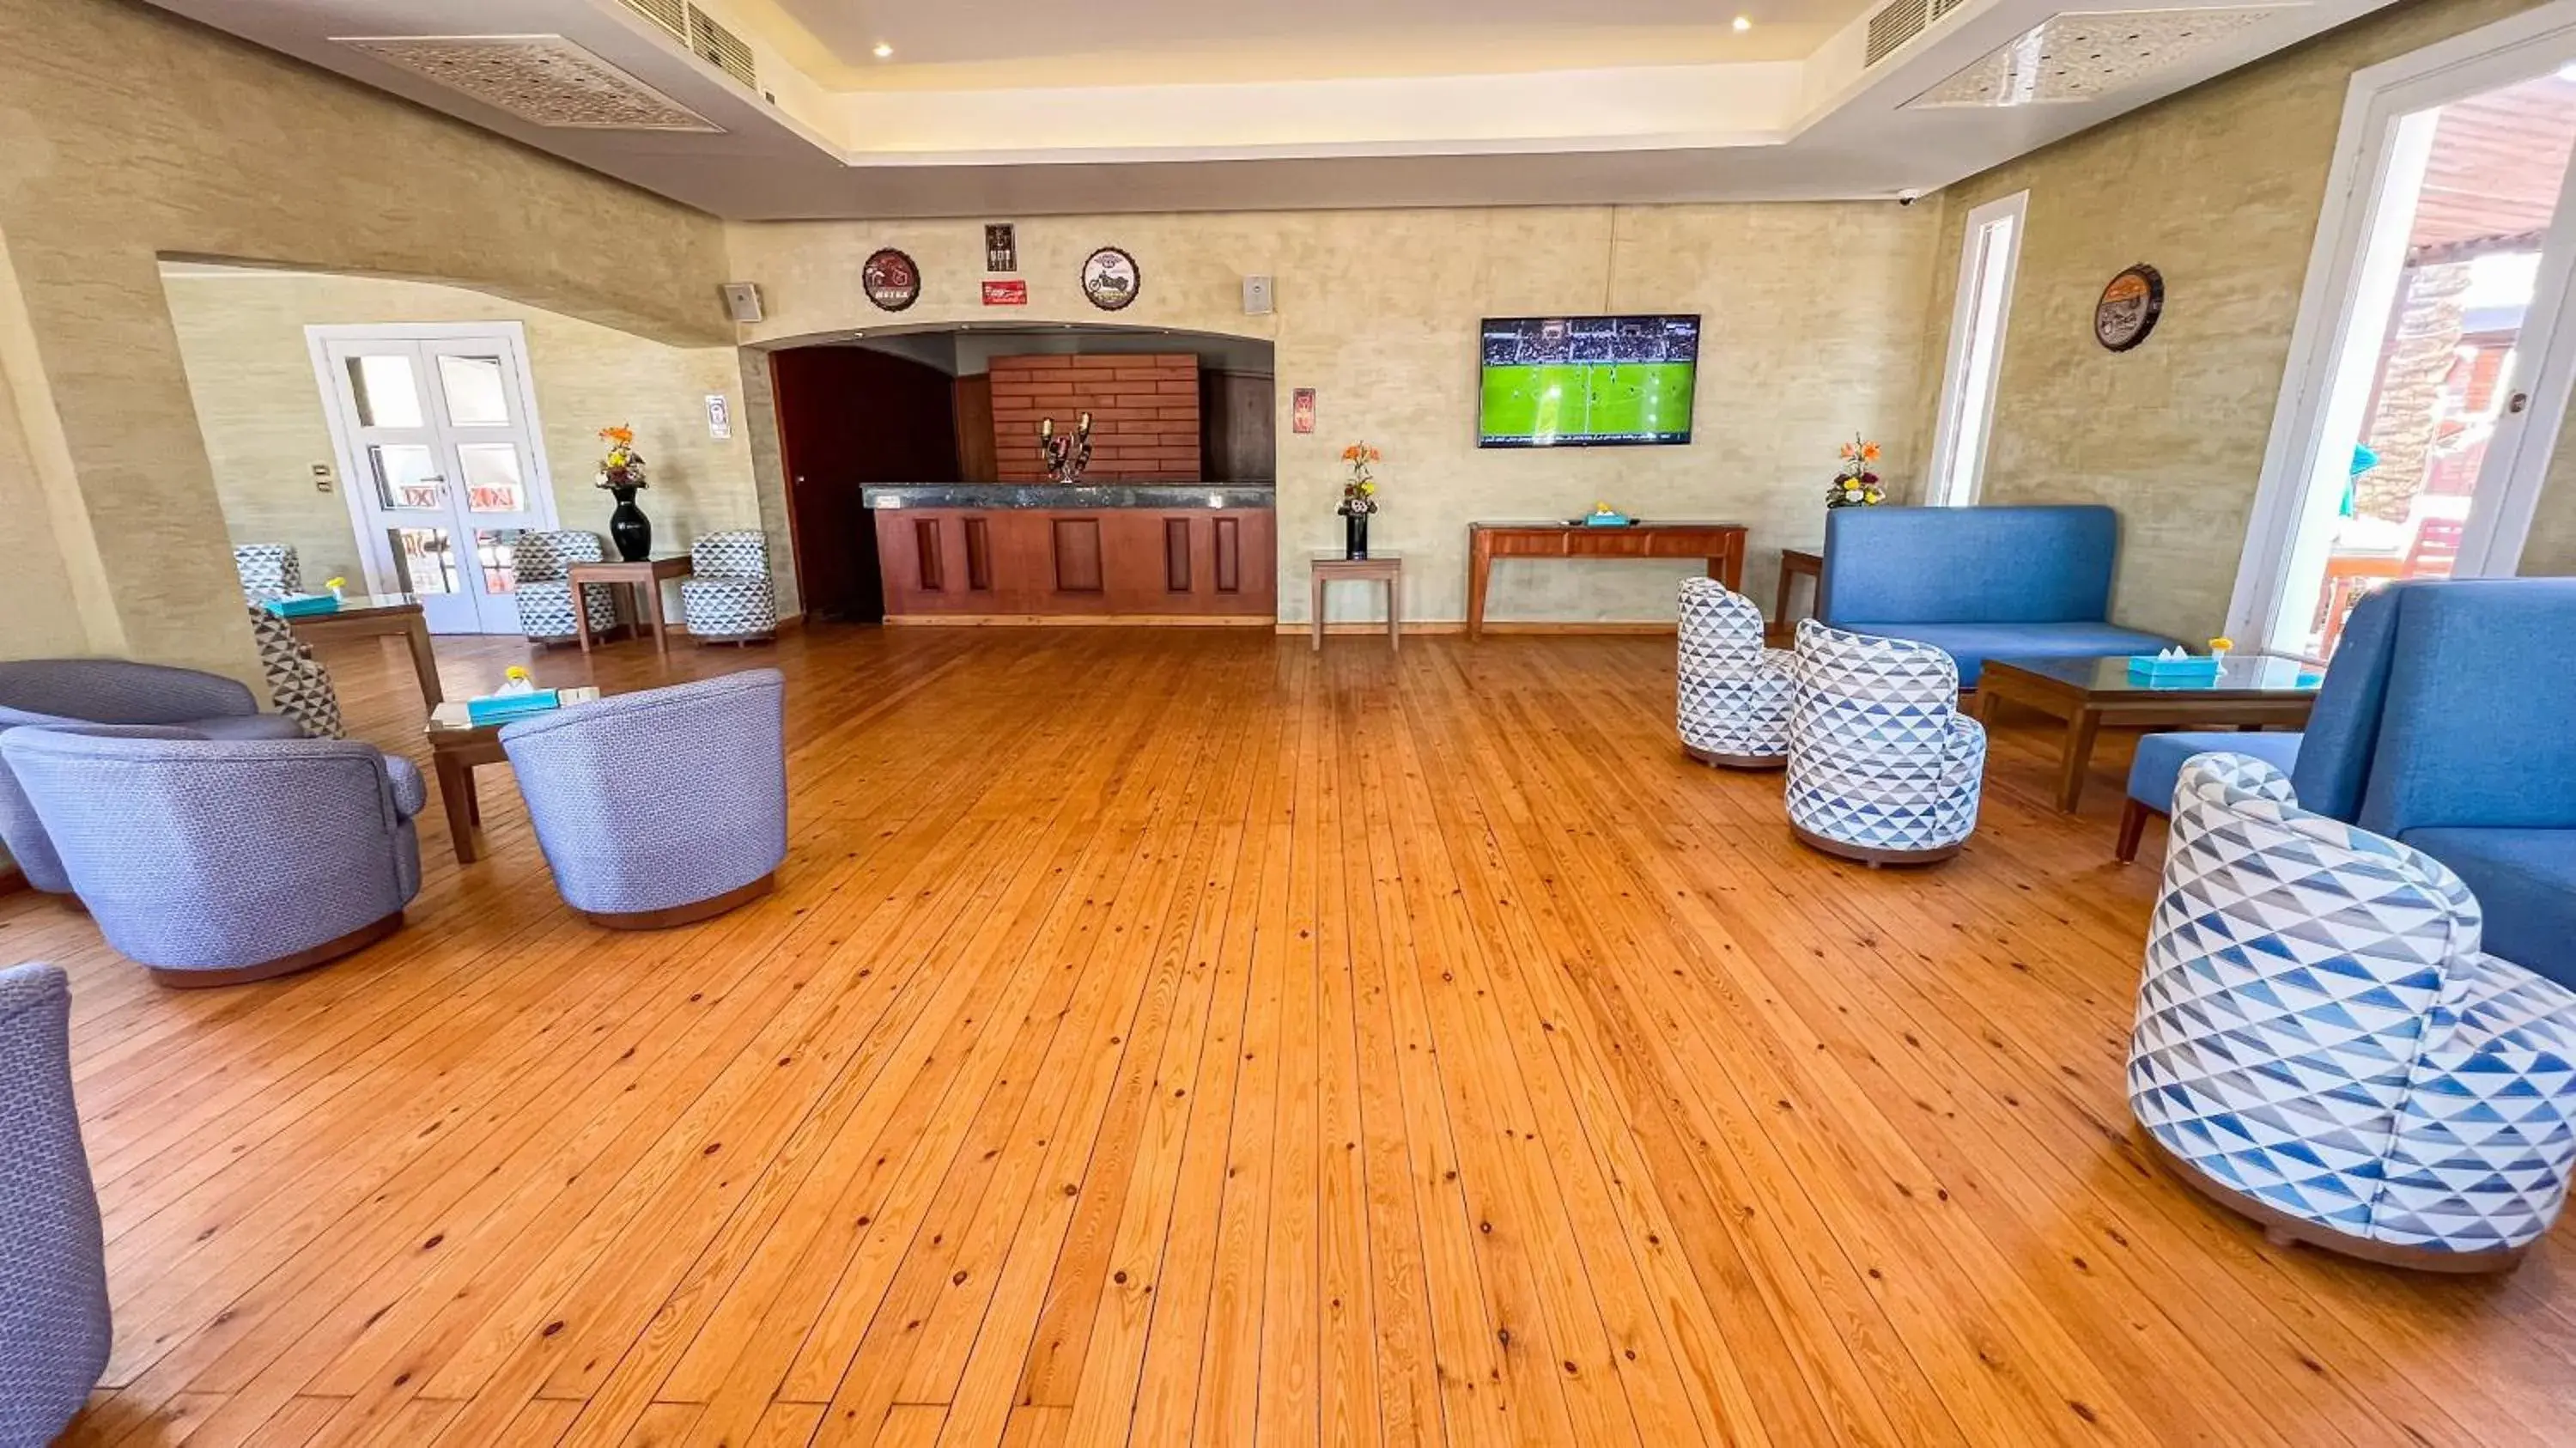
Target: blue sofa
<point>1979,582</point>
<point>2441,726</point>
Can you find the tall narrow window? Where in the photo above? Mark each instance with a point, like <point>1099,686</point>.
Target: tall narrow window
<point>1987,252</point>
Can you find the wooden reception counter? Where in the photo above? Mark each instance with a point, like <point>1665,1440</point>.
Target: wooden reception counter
<point>1010,553</point>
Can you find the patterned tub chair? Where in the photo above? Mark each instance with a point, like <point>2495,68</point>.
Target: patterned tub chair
<point>2322,1046</point>
<point>214,862</point>
<point>726,598</point>
<point>1883,767</point>
<point>1731,696</point>
<point>268,570</point>
<point>540,559</point>
<point>297,683</point>
<point>54,1326</point>
<point>660,807</point>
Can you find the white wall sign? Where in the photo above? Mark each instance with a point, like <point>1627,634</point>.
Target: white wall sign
<point>719,416</point>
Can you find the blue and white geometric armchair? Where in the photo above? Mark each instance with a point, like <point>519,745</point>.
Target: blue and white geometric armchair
<point>727,596</point>
<point>538,562</point>
<point>659,807</point>
<point>1731,696</point>
<point>215,862</point>
<point>1883,767</point>
<point>55,1330</point>
<point>2322,1046</point>
<point>267,570</point>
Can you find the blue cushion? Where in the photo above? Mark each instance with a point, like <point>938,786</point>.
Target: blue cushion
<point>245,726</point>
<point>2158,765</point>
<point>1968,565</point>
<point>2343,728</point>
<point>1974,643</point>
<point>2473,731</point>
<point>2525,880</point>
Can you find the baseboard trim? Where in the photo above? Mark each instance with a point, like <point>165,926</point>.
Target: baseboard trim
<point>1455,626</point>
<point>1077,620</point>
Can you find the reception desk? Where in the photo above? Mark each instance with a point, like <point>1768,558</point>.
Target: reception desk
<point>1010,553</point>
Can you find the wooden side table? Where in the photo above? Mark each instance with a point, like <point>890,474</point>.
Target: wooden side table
<point>457,747</point>
<point>379,615</point>
<point>1386,568</point>
<point>645,578</point>
<point>1796,563</point>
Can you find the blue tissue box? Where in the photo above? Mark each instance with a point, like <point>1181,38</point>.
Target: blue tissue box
<point>1607,520</point>
<point>502,708</point>
<point>2148,669</point>
<point>301,605</point>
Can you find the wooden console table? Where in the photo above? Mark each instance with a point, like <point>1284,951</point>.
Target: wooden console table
<point>1722,544</point>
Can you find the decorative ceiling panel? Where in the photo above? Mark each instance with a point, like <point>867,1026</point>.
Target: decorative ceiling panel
<point>543,79</point>
<point>2082,57</point>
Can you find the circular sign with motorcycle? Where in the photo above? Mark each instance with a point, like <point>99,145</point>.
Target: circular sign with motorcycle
<point>2129,308</point>
<point>1110,278</point>
<point>891,280</point>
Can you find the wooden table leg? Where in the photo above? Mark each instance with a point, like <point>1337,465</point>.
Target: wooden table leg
<point>661,626</point>
<point>1394,615</point>
<point>2080,731</point>
<point>424,661</point>
<point>1480,564</point>
<point>1729,567</point>
<point>1780,607</point>
<point>1316,582</point>
<point>456,797</point>
<point>581,614</point>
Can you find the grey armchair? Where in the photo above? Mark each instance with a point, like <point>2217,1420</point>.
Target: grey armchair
<point>220,861</point>
<point>55,1330</point>
<point>660,807</point>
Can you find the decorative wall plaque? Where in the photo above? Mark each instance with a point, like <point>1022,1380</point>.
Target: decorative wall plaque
<point>891,280</point>
<point>2129,308</point>
<point>1110,278</point>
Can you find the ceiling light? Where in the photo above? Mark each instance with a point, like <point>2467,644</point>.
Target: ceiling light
<point>884,51</point>
<point>1743,23</point>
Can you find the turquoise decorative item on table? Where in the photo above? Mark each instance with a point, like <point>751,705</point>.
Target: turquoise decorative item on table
<point>1605,516</point>
<point>2175,667</point>
<point>301,605</point>
<point>498,708</point>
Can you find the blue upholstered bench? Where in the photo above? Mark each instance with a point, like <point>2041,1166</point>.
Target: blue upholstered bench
<point>1982,583</point>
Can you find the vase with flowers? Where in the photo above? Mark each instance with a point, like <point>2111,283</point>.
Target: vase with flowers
<point>621,474</point>
<point>1857,485</point>
<point>1359,498</point>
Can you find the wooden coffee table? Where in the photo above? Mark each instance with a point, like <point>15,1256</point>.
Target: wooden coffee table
<point>457,747</point>
<point>645,578</point>
<point>372,615</point>
<point>2253,691</point>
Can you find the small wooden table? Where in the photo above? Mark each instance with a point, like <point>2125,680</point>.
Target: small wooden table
<point>457,747</point>
<point>1722,544</point>
<point>1796,563</point>
<point>377,615</point>
<point>645,578</point>
<point>2252,691</point>
<point>1386,568</point>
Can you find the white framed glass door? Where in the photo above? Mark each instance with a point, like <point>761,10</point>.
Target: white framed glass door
<point>2432,364</point>
<point>441,462</point>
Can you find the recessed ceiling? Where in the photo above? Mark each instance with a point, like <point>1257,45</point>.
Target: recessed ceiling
<point>981,44</point>
<point>2083,57</point>
<point>541,78</point>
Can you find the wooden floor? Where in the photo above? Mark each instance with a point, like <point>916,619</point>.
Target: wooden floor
<point>1176,1037</point>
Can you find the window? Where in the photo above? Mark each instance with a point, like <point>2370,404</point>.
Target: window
<point>1987,252</point>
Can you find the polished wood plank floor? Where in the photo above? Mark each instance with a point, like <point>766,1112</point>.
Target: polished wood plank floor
<point>1170,1037</point>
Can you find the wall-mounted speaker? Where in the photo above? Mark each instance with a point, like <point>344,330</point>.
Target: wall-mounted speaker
<point>742,301</point>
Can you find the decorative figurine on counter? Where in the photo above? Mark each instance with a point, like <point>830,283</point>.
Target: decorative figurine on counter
<point>1359,499</point>
<point>1065,455</point>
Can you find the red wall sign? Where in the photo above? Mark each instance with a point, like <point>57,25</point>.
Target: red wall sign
<point>1006,294</point>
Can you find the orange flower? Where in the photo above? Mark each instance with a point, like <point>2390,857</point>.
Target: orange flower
<point>1869,452</point>
<point>620,434</point>
<point>1850,451</point>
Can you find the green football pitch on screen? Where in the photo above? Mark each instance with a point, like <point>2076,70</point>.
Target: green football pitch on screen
<point>1547,401</point>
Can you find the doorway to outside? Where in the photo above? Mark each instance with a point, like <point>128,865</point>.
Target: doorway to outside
<point>2431,368</point>
<point>436,430</point>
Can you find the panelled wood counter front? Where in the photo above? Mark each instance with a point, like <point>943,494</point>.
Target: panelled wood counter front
<point>1143,552</point>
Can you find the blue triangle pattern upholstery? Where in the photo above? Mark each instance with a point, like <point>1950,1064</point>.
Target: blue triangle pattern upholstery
<point>1880,758</point>
<point>1731,696</point>
<point>2319,1032</point>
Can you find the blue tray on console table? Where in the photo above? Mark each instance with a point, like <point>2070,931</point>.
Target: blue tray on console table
<point>301,605</point>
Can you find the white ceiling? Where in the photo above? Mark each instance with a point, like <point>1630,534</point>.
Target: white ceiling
<point>1018,107</point>
<point>988,43</point>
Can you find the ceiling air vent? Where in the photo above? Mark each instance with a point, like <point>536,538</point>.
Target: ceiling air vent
<point>721,48</point>
<point>1940,8</point>
<point>1890,28</point>
<point>671,15</point>
<point>2082,57</point>
<point>543,79</point>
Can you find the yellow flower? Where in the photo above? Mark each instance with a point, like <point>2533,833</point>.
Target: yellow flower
<point>335,583</point>
<point>515,671</point>
<point>2221,644</point>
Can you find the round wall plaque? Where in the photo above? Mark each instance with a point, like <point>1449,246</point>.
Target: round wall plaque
<point>1110,278</point>
<point>890,280</point>
<point>2129,308</point>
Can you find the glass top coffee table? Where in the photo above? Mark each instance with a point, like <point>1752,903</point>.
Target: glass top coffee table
<point>2252,691</point>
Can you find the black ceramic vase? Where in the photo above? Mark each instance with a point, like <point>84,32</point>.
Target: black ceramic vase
<point>1355,535</point>
<point>629,529</point>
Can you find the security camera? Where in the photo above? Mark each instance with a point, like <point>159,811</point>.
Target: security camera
<point>1908,196</point>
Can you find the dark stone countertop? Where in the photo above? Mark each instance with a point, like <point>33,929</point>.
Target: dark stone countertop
<point>1073,499</point>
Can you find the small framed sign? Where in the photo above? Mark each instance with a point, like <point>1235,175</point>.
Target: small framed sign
<point>1301,410</point>
<point>1111,279</point>
<point>1006,294</point>
<point>1001,246</point>
<point>2129,308</point>
<point>890,280</point>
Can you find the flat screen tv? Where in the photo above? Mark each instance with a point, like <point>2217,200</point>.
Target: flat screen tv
<point>1587,381</point>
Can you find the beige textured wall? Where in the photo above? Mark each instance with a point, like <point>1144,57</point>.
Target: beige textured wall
<point>251,376</point>
<point>1812,313</point>
<point>2219,188</point>
<point>127,134</point>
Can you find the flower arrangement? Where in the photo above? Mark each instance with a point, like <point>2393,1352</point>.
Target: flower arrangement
<point>1857,486</point>
<point>621,467</point>
<point>1359,490</point>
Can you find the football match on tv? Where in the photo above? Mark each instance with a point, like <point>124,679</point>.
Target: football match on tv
<point>1587,381</point>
